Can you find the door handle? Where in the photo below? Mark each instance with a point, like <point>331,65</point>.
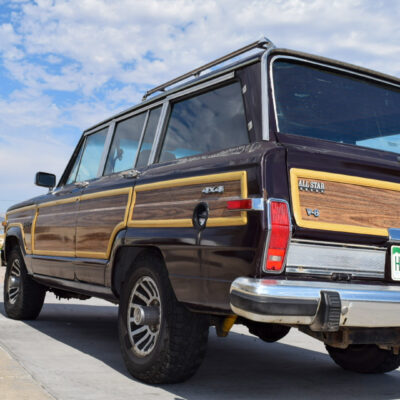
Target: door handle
<point>82,184</point>
<point>132,173</point>
<point>200,216</point>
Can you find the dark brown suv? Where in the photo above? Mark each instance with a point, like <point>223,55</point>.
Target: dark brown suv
<point>265,192</point>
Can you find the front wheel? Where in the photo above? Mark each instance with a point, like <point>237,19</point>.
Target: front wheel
<point>23,297</point>
<point>161,341</point>
<point>365,359</point>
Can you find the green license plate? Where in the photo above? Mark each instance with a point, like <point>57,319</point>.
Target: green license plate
<point>395,261</point>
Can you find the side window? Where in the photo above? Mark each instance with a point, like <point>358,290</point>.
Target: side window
<point>205,123</point>
<point>91,157</point>
<point>125,144</point>
<point>148,138</point>
<point>74,170</point>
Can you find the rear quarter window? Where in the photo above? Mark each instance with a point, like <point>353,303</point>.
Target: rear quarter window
<point>205,123</point>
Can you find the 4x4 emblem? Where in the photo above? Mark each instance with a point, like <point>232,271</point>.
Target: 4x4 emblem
<point>213,189</point>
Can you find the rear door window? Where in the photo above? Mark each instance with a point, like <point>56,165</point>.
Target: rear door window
<point>148,138</point>
<point>208,122</point>
<point>125,144</point>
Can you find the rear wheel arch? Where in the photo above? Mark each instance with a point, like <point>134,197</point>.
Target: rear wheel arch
<point>125,263</point>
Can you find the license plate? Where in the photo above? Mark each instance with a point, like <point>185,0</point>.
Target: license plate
<point>395,260</point>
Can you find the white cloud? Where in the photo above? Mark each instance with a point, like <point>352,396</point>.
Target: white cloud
<point>99,55</point>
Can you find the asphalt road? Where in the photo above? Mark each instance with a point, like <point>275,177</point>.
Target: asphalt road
<point>72,352</point>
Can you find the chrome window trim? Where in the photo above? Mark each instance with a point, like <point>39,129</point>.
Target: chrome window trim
<point>265,122</point>
<point>320,64</point>
<point>201,86</point>
<point>166,111</point>
<point>159,132</point>
<point>121,117</point>
<point>138,111</point>
<point>146,120</point>
<point>77,159</point>
<point>107,144</point>
<point>325,259</point>
<point>97,129</point>
<point>269,227</point>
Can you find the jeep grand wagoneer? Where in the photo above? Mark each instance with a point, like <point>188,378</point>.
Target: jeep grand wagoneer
<point>265,193</point>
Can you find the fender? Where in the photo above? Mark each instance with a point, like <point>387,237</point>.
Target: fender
<point>14,234</point>
<point>129,243</point>
<point>123,254</point>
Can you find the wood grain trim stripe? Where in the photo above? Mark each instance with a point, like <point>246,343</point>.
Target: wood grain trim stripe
<point>20,226</point>
<point>90,196</point>
<point>187,223</point>
<point>118,227</point>
<point>26,208</point>
<point>296,173</point>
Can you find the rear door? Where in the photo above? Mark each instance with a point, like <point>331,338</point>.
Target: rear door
<point>202,162</point>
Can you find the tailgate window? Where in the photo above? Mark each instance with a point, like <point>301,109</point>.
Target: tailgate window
<point>342,107</point>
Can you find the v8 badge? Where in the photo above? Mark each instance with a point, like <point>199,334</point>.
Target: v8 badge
<point>310,212</point>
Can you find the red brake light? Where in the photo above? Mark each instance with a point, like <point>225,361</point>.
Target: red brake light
<point>278,236</point>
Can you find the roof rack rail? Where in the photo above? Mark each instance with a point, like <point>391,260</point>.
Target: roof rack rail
<point>263,43</point>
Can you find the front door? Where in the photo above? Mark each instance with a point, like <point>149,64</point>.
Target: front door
<point>54,226</point>
<point>54,233</point>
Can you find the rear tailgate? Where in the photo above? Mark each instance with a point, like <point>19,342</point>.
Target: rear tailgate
<point>346,198</point>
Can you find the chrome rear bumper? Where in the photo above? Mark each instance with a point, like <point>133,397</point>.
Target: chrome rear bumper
<point>322,306</point>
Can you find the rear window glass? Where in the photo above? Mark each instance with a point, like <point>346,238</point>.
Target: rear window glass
<point>337,106</point>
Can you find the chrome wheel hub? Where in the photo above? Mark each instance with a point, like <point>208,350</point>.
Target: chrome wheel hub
<point>144,316</point>
<point>14,282</point>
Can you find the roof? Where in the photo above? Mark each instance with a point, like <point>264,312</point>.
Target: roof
<point>239,64</point>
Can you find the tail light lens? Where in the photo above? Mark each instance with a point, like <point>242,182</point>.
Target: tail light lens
<point>278,236</point>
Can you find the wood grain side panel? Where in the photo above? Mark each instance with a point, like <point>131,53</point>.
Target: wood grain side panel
<point>55,229</point>
<point>181,210</point>
<point>177,203</point>
<point>359,207</point>
<point>23,219</point>
<point>97,220</point>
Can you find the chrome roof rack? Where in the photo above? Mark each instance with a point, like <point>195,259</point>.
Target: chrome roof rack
<point>263,43</point>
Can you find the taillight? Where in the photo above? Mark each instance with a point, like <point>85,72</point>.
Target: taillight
<point>243,204</point>
<point>279,231</point>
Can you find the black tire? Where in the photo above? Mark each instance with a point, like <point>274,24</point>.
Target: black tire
<point>23,297</point>
<point>268,332</point>
<point>181,344</point>
<point>365,359</point>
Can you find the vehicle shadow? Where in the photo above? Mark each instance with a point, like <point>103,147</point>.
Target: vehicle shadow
<point>237,367</point>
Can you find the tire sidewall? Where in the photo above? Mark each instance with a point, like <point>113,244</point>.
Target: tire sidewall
<point>143,364</point>
<point>9,307</point>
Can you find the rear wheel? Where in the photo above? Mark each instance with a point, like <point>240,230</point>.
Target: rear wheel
<point>23,297</point>
<point>161,341</point>
<point>365,359</point>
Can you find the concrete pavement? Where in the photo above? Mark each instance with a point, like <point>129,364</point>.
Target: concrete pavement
<point>72,352</point>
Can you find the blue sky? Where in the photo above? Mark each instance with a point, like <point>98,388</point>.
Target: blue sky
<point>64,65</point>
